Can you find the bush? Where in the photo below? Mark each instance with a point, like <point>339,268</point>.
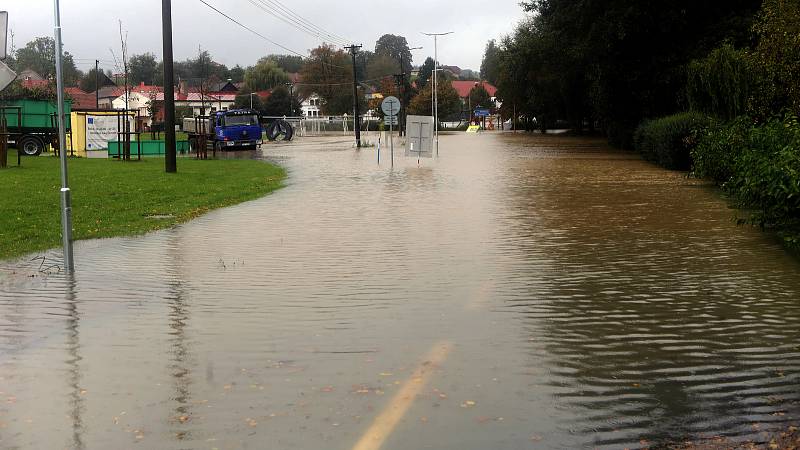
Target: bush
<point>759,166</point>
<point>668,141</point>
<point>766,175</point>
<point>718,148</point>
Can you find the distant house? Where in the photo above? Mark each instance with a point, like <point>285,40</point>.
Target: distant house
<point>81,101</point>
<point>223,86</point>
<point>138,100</point>
<point>455,70</point>
<point>311,106</point>
<point>108,94</point>
<point>31,79</point>
<point>465,87</point>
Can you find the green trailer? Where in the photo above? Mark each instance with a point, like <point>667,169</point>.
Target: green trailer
<point>33,124</point>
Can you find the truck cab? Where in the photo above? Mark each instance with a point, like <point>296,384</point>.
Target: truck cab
<point>238,128</point>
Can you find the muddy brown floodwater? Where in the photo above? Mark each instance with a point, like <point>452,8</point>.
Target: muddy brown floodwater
<point>518,292</point>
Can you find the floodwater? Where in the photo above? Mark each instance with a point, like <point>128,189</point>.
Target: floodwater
<point>517,292</point>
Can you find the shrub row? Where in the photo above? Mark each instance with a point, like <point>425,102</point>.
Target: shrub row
<point>759,166</point>
<point>668,141</point>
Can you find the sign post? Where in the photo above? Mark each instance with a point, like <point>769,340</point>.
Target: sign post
<point>391,107</point>
<point>3,34</point>
<point>7,76</point>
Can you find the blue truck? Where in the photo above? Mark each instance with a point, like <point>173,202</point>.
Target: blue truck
<point>236,129</point>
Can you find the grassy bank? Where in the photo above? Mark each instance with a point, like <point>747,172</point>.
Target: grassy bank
<point>112,198</point>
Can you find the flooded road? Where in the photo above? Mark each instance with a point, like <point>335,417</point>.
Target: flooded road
<point>518,292</point>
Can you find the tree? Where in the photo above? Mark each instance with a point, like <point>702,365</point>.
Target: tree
<point>490,64</point>
<point>394,47</point>
<point>479,96</point>
<point>280,103</point>
<point>449,102</point>
<point>289,63</point>
<point>778,55</point>
<point>614,62</point>
<point>425,73</point>
<point>264,75</point>
<point>237,74</point>
<point>329,73</point>
<point>381,67</point>
<point>244,100</point>
<point>39,55</point>
<point>469,75</point>
<point>88,82</point>
<point>143,69</point>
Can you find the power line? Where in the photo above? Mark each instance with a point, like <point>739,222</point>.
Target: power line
<point>251,30</point>
<point>295,21</point>
<point>264,37</point>
<point>307,21</point>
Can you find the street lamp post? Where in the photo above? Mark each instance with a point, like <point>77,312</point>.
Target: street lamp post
<point>66,195</point>
<point>436,85</point>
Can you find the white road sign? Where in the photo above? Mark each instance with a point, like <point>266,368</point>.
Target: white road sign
<point>6,75</point>
<point>3,33</point>
<point>390,120</point>
<point>419,131</point>
<point>390,106</point>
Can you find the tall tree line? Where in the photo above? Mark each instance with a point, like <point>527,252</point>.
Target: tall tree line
<point>609,62</point>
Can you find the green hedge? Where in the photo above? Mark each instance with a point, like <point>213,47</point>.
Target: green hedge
<point>668,141</point>
<point>759,166</point>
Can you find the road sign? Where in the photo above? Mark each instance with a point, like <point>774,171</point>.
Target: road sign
<point>481,112</point>
<point>419,132</point>
<point>3,33</point>
<point>391,106</point>
<point>6,76</point>
<point>390,120</point>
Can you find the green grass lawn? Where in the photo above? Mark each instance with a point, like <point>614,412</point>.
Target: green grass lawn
<point>113,198</point>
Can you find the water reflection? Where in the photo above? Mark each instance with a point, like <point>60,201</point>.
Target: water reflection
<point>181,358</point>
<point>73,346</point>
<point>658,325</point>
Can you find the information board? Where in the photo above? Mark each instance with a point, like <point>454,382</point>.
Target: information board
<point>419,133</point>
<point>103,128</point>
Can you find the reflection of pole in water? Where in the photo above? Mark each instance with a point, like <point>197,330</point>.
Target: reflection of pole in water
<point>178,320</point>
<point>73,362</point>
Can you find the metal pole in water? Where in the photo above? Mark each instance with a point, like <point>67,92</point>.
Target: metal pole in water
<point>66,197</point>
<point>391,137</point>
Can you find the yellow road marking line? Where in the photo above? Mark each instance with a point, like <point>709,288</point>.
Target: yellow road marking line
<point>387,421</point>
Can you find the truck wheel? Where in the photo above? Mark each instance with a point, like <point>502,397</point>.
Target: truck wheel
<point>31,146</point>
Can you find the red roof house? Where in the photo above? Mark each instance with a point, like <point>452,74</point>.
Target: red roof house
<point>81,101</point>
<point>464,87</point>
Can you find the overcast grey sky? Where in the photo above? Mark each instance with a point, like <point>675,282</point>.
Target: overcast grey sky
<point>90,27</point>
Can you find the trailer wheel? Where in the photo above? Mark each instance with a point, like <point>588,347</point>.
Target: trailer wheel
<point>31,146</point>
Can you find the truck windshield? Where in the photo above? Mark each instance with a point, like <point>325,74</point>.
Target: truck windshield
<point>240,120</point>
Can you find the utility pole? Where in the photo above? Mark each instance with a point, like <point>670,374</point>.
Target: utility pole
<point>96,84</point>
<point>170,154</point>
<point>357,115</point>
<point>435,85</point>
<point>66,195</point>
<point>291,98</point>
